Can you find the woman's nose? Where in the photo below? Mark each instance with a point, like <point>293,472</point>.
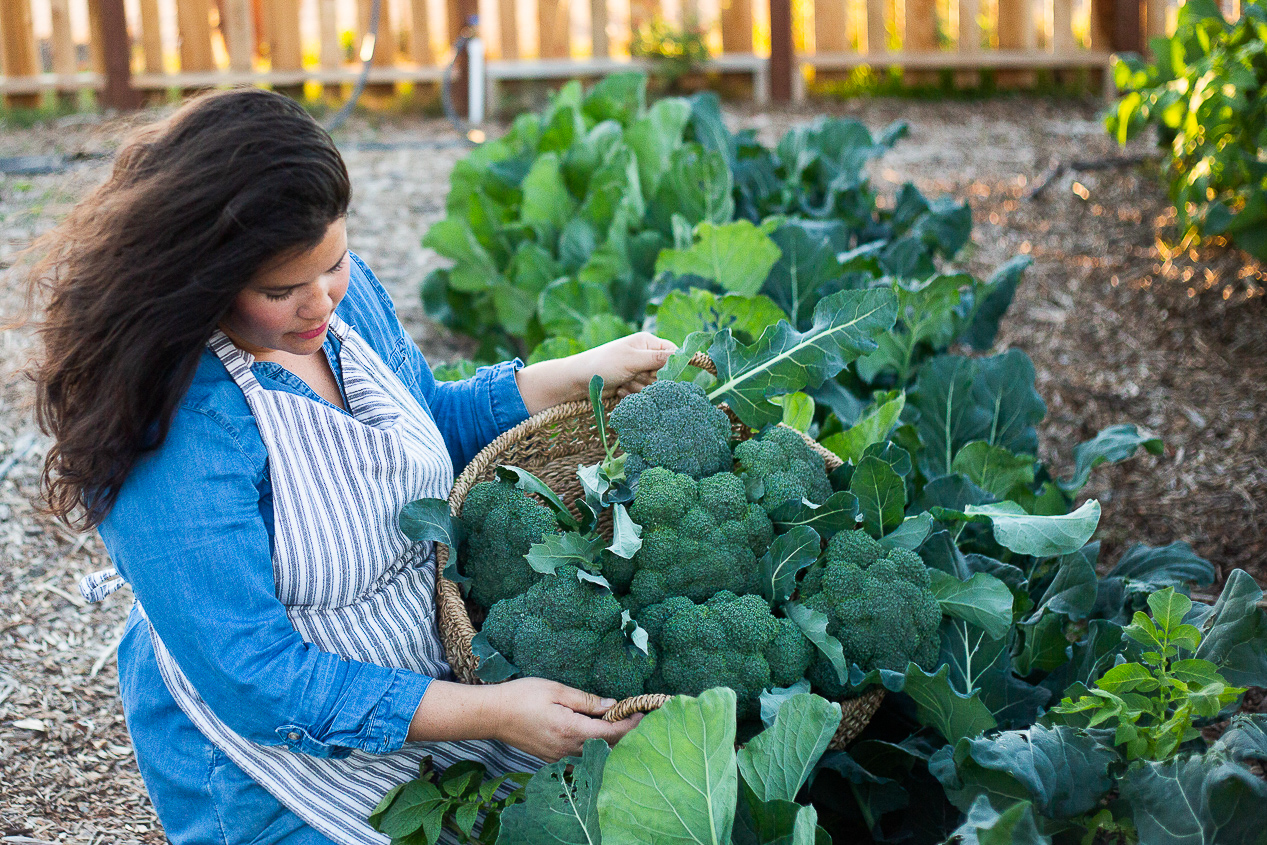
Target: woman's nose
<point>319,303</point>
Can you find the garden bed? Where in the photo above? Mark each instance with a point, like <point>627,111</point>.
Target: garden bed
<point>1111,326</point>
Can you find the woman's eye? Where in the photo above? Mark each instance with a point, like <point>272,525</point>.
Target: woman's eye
<point>277,297</point>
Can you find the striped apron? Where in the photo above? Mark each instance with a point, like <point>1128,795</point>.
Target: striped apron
<point>351,582</point>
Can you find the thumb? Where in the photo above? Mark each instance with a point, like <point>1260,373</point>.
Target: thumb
<point>584,702</point>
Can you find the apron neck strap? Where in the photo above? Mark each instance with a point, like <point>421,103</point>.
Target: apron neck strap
<point>238,361</point>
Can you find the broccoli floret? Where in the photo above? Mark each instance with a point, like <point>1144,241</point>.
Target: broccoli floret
<point>879,604</point>
<point>502,523</point>
<point>778,467</point>
<point>569,631</point>
<point>725,641</point>
<point>698,537</point>
<point>672,424</point>
<point>789,655</point>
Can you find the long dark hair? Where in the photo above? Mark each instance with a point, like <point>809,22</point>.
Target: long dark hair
<point>138,275</point>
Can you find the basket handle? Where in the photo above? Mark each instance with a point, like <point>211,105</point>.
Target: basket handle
<point>700,360</point>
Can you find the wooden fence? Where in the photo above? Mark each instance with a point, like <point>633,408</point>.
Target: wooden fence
<point>155,45</point>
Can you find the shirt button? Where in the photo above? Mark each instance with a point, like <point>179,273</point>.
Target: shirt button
<point>293,736</point>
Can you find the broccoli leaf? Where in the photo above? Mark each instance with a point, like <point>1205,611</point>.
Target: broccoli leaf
<point>874,426</point>
<point>939,706</point>
<point>699,309</point>
<point>808,262</point>
<point>813,625</point>
<point>626,534</point>
<point>737,256</point>
<point>913,531</point>
<point>881,495</point>
<point>776,763</point>
<point>570,548</point>
<point>529,483</point>
<point>430,519</point>
<point>560,805</point>
<point>784,360</point>
<point>774,698</point>
<point>787,555</point>
<point>1112,445</point>
<point>1040,536</point>
<point>636,633</point>
<point>493,667</point>
<point>982,600</point>
<point>1201,799</point>
<point>985,825</point>
<point>993,468</point>
<point>673,778</point>
<point>1234,633</point>
<point>838,513</point>
<point>990,302</point>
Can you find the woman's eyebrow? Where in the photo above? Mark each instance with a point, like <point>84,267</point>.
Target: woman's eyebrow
<point>337,263</point>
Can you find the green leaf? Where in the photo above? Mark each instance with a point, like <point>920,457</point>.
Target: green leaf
<point>774,698</point>
<point>474,269</point>
<point>911,534</point>
<point>567,304</point>
<point>698,309</point>
<point>788,554</point>
<point>1195,800</point>
<point>874,427</point>
<point>940,707</point>
<point>807,263</point>
<point>529,483</point>
<point>838,513</point>
<point>626,534</point>
<point>881,495</point>
<point>654,137</point>
<point>559,808</point>
<point>985,825</point>
<point>993,468</point>
<point>571,548</point>
<point>1040,536</point>
<point>1114,444</point>
<point>1169,608</point>
<point>1127,677</point>
<point>738,256</point>
<point>798,410</point>
<point>784,360</point>
<point>813,625</point>
<point>430,519</point>
<point>990,302</point>
<point>492,667</point>
<point>673,778</point>
<point>776,763</point>
<point>1234,633</point>
<point>547,204</point>
<point>982,600</point>
<point>412,809</point>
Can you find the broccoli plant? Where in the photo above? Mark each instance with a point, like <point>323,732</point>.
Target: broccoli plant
<point>778,467</point>
<point>879,604</point>
<point>729,640</point>
<point>672,424</point>
<point>698,537</point>
<point>570,630</point>
<point>502,523</point>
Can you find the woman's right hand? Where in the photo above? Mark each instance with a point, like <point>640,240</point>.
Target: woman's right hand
<point>550,720</point>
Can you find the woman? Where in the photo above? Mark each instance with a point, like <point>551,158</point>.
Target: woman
<point>236,407</point>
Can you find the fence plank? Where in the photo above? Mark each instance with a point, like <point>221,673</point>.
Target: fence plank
<point>112,27</point>
<point>63,42</point>
<point>736,26</point>
<point>385,41</point>
<point>641,13</point>
<point>599,37</point>
<point>239,35</point>
<point>1154,18</point>
<point>507,30</point>
<point>151,37</point>
<point>1062,27</point>
<point>877,37</point>
<point>285,50</point>
<point>831,26</point>
<point>1016,32</point>
<point>328,25</point>
<point>420,34</point>
<point>919,36</point>
<point>554,31</point>
<point>193,22</point>
<point>17,33</point>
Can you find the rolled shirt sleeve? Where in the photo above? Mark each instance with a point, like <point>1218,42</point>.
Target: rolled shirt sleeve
<point>200,564</point>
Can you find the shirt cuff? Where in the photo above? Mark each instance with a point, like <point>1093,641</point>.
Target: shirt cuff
<point>384,731</point>
<point>503,395</point>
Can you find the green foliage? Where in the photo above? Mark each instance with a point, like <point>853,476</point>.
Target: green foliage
<point>420,810</point>
<point>673,51</point>
<point>1205,95</point>
<point>1152,704</point>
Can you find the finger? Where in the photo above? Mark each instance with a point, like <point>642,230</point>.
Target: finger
<point>583,702</point>
<point>644,360</point>
<point>611,732</point>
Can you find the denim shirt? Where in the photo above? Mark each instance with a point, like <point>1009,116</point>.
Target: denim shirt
<point>192,533</point>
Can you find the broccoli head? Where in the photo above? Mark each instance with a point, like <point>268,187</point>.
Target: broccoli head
<point>502,522</point>
<point>879,604</point>
<point>569,630</point>
<point>672,424</point>
<point>789,656</point>
<point>727,641</point>
<point>698,537</point>
<point>778,467</point>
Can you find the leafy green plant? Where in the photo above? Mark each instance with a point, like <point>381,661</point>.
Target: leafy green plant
<point>1152,704</point>
<point>1205,94</point>
<point>674,51</point>
<point>420,810</point>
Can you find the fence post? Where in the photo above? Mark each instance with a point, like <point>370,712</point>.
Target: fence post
<point>920,36</point>
<point>1127,34</point>
<point>600,46</point>
<point>736,26</point>
<point>115,52</point>
<point>1016,33</point>
<point>554,33</point>
<point>782,62</point>
<point>18,34</point>
<point>831,26</point>
<point>459,12</point>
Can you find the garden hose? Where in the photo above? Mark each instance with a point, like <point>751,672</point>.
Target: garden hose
<point>446,85</point>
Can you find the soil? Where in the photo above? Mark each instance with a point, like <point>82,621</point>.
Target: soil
<point>1122,327</point>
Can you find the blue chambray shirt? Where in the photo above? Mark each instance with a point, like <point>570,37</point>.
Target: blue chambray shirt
<point>192,533</point>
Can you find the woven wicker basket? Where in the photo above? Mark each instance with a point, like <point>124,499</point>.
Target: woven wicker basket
<point>551,445</point>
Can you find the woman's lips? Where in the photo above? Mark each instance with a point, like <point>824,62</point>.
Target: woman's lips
<point>315,332</point>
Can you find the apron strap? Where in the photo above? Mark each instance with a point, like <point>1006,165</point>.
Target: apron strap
<point>100,584</point>
<point>237,361</point>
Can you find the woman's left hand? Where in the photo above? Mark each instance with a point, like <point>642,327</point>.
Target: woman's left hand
<point>627,365</point>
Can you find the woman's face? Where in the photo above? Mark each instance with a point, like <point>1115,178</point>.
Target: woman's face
<point>287,307</point>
